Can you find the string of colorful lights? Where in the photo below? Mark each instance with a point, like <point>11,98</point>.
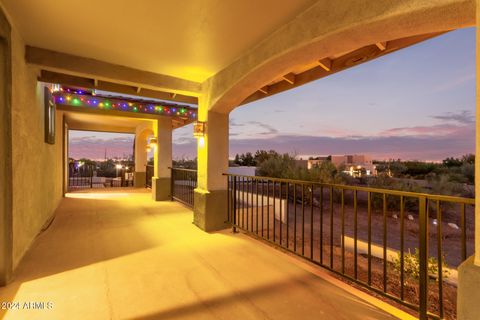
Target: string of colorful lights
<point>79,98</point>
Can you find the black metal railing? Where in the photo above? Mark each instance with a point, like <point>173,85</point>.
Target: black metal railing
<point>149,174</point>
<point>85,176</point>
<point>183,184</point>
<point>401,245</point>
<point>80,176</point>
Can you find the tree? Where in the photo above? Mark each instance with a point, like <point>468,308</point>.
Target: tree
<point>237,159</point>
<point>468,171</point>
<point>397,168</point>
<point>452,162</point>
<point>324,172</point>
<point>263,155</point>
<point>278,166</point>
<point>468,158</point>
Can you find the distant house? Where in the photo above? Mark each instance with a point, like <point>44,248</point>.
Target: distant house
<point>311,162</point>
<point>356,165</point>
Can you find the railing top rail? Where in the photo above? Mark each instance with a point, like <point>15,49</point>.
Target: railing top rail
<point>366,189</point>
<point>183,169</point>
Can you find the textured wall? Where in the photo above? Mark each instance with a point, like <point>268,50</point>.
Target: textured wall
<point>5,152</point>
<point>37,166</point>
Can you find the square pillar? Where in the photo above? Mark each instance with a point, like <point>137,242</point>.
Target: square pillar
<point>162,159</point>
<point>468,306</point>
<point>142,133</point>
<point>211,194</point>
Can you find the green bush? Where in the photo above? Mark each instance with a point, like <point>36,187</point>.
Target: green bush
<point>411,265</point>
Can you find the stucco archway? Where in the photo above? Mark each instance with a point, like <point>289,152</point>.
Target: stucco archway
<point>326,29</point>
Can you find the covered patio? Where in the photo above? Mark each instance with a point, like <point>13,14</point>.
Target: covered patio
<point>133,254</point>
<point>118,255</point>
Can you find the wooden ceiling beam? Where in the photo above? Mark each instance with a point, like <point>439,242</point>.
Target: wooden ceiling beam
<point>290,77</point>
<point>86,83</point>
<point>264,90</point>
<point>327,66</point>
<point>96,69</point>
<point>381,45</point>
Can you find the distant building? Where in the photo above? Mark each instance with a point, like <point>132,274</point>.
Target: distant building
<point>356,165</point>
<point>311,162</point>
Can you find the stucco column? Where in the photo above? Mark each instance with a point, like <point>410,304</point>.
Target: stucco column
<point>141,140</point>
<point>210,202</point>
<point>468,307</point>
<point>163,159</point>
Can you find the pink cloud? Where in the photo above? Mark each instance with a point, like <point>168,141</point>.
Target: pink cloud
<point>443,129</point>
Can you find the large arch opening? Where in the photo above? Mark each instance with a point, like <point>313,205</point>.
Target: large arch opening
<point>437,124</point>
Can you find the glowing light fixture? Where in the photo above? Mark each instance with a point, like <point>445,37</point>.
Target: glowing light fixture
<point>199,129</point>
<point>153,143</point>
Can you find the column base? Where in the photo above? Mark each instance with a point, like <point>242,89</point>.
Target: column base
<point>161,189</point>
<point>139,179</point>
<point>468,297</point>
<point>210,209</point>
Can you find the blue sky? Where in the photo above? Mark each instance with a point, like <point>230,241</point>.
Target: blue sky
<point>416,103</point>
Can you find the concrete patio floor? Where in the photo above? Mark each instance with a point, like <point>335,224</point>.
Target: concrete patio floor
<point>116,254</point>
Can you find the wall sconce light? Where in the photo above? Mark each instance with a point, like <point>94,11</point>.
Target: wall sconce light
<point>199,129</point>
<point>153,143</point>
<point>149,149</point>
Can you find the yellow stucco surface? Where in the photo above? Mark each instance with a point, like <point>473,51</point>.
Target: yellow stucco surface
<point>119,255</point>
<point>37,166</point>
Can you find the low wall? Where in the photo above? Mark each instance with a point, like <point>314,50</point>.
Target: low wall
<point>280,204</point>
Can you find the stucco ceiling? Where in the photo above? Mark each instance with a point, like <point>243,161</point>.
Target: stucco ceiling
<point>190,39</point>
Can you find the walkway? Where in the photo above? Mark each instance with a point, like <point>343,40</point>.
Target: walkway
<point>115,254</point>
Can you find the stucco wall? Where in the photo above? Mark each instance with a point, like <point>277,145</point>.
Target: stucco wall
<point>37,166</point>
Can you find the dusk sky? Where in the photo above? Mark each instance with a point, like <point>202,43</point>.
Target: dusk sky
<point>416,103</point>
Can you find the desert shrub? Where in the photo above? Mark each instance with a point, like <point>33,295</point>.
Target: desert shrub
<point>411,265</point>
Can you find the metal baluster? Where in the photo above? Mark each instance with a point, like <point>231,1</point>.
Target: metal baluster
<point>268,209</point>
<point>295,217</point>
<point>256,203</point>
<point>440,259</point>
<point>311,223</point>
<point>402,247</point>
<point>331,227</point>
<point>423,256</point>
<point>274,212</point>
<point>281,205</point>
<point>251,203</point>
<point>355,248</point>
<point>343,230</point>
<point>243,203</point>
<point>263,218</point>
<point>287,212</point>
<point>234,229</point>
<point>464,232</point>
<point>229,200</point>
<point>303,219</point>
<point>385,242</point>
<point>369,217</point>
